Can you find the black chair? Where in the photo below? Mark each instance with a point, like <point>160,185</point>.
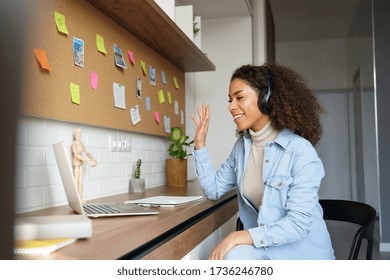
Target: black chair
<point>357,213</point>
<point>353,212</point>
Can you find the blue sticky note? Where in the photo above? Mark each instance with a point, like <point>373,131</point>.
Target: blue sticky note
<point>147,100</point>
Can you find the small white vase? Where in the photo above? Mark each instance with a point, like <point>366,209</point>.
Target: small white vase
<point>137,185</point>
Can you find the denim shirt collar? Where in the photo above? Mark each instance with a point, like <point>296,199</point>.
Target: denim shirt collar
<point>282,139</point>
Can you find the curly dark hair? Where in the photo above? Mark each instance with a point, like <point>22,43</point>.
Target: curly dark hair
<point>293,104</point>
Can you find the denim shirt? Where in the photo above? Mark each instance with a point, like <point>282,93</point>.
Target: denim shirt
<point>289,223</point>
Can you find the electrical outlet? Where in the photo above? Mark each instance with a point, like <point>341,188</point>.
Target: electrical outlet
<point>128,145</point>
<point>119,144</point>
<point>112,143</point>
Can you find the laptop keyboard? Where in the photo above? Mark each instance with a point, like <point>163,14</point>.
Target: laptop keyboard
<point>99,209</point>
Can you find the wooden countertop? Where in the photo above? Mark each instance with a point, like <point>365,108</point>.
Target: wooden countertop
<point>171,234</point>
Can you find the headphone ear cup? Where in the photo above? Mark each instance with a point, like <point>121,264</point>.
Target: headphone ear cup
<point>263,103</point>
<point>263,100</point>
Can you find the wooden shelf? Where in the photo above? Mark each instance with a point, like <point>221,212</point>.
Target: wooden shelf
<point>150,24</point>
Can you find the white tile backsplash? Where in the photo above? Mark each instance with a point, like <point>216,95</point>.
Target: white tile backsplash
<point>38,181</point>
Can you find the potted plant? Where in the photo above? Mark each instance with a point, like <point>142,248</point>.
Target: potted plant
<point>176,167</point>
<point>137,184</point>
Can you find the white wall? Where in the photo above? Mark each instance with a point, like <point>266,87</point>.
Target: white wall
<point>328,66</point>
<point>228,44</point>
<point>322,63</point>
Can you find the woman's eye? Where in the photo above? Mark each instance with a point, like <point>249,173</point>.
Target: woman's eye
<point>229,101</point>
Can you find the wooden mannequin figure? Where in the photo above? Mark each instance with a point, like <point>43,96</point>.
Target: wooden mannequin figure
<point>78,160</point>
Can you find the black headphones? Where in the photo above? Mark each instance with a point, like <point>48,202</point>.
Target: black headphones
<point>262,101</point>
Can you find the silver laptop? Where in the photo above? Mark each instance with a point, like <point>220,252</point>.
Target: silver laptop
<point>93,210</point>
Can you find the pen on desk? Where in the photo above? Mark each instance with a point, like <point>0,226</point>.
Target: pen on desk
<point>150,205</point>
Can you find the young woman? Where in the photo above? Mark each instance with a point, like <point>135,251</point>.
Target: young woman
<point>273,164</point>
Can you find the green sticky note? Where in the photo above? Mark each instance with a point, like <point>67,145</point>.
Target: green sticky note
<point>161,98</point>
<point>169,97</point>
<point>75,93</point>
<point>100,44</point>
<point>143,65</point>
<point>175,83</point>
<point>60,22</point>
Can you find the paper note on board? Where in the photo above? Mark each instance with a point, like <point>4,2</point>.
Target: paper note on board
<point>176,83</point>
<point>176,107</point>
<point>60,22</point>
<point>143,66</point>
<point>131,57</point>
<point>161,97</point>
<point>42,58</point>
<point>163,79</point>
<point>147,101</point>
<point>167,124</point>
<point>119,96</point>
<point>100,44</point>
<point>169,95</point>
<point>75,93</point>
<point>94,80</point>
<point>157,117</point>
<point>134,114</point>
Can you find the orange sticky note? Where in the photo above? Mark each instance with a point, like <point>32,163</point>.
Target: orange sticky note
<point>42,58</point>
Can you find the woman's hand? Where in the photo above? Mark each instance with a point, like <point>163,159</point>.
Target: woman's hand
<point>202,126</point>
<point>233,239</point>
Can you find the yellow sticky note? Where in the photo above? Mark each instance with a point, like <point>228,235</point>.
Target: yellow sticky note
<point>42,58</point>
<point>161,98</point>
<point>143,65</point>
<point>169,97</point>
<point>100,44</point>
<point>175,83</point>
<point>75,93</point>
<point>60,22</point>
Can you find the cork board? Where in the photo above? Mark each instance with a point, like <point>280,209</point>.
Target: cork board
<point>47,93</point>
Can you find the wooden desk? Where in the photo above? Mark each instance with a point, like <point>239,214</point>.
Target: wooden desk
<point>169,235</point>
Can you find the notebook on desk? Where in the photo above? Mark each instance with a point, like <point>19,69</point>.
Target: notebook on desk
<point>93,210</point>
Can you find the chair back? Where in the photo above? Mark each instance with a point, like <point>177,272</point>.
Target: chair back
<point>357,213</point>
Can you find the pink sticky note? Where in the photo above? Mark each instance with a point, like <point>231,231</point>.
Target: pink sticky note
<point>131,57</point>
<point>94,80</point>
<point>157,117</point>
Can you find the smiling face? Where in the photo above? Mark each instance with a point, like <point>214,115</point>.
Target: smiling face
<point>243,106</point>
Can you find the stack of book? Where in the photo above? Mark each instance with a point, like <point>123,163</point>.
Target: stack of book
<point>42,235</point>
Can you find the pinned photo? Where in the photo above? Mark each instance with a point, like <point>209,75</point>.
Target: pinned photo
<point>78,51</point>
<point>152,74</point>
<point>138,90</point>
<point>118,57</point>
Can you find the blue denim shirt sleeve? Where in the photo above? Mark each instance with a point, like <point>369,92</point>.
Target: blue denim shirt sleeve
<point>301,206</point>
<point>214,183</point>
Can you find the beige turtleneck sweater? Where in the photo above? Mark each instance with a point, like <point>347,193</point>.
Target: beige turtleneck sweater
<point>252,187</point>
